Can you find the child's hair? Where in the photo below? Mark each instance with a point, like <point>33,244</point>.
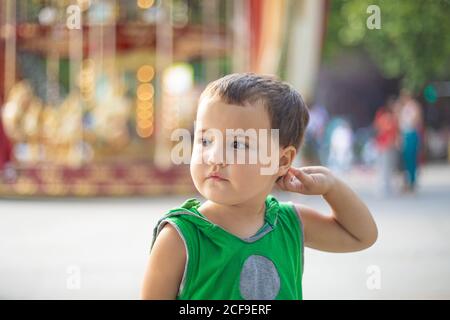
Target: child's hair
<point>287,110</point>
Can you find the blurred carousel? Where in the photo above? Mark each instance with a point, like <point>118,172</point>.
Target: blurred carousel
<point>91,90</point>
<point>86,110</point>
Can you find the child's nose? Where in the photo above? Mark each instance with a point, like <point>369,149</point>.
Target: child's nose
<point>215,156</point>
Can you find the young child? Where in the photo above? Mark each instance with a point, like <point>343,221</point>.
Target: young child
<point>242,243</point>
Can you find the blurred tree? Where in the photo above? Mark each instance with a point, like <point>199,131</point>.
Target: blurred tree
<point>413,42</point>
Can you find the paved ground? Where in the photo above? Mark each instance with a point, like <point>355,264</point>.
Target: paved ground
<point>96,249</point>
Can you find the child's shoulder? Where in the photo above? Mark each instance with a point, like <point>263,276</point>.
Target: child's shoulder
<point>286,207</point>
<point>187,207</point>
<point>185,219</point>
<point>166,264</point>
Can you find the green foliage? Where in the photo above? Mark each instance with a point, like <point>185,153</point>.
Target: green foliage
<point>413,42</point>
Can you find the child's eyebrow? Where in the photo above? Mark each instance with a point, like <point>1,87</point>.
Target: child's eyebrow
<point>234,134</point>
<point>200,131</point>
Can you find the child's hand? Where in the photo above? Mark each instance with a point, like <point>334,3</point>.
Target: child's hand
<point>307,180</point>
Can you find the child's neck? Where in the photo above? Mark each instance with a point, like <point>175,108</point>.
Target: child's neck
<point>243,219</point>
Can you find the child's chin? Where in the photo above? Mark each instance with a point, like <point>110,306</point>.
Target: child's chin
<point>218,196</point>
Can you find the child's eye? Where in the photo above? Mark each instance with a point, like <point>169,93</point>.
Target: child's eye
<point>239,145</point>
<point>205,142</point>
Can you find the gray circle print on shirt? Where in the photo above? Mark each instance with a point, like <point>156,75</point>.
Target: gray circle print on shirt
<point>259,279</point>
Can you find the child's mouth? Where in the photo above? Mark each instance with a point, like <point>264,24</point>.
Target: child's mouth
<point>216,178</point>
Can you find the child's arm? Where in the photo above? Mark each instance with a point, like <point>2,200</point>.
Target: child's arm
<point>165,266</point>
<point>349,228</point>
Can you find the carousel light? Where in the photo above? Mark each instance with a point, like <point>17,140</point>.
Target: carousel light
<point>144,132</point>
<point>145,115</point>
<point>84,4</point>
<point>144,105</point>
<point>144,102</point>
<point>178,79</point>
<point>180,14</point>
<point>144,124</point>
<point>145,91</point>
<point>86,78</point>
<point>102,12</point>
<point>145,73</point>
<point>145,4</point>
<point>47,16</point>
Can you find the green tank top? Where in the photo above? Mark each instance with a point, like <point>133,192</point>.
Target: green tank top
<point>222,266</point>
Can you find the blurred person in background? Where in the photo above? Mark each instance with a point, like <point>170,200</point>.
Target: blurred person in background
<point>315,132</point>
<point>340,156</point>
<point>386,138</point>
<point>410,123</point>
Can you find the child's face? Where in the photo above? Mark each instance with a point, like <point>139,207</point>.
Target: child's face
<point>240,182</point>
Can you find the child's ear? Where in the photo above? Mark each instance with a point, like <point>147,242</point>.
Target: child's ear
<point>287,156</point>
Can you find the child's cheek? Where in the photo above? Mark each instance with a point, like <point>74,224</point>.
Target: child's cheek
<point>196,170</point>
<point>246,175</point>
<point>198,158</point>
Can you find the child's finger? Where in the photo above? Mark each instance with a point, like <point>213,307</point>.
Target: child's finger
<point>302,176</point>
<point>296,185</point>
<point>308,170</point>
<point>281,182</point>
<point>293,183</point>
<point>286,181</point>
<point>311,169</point>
